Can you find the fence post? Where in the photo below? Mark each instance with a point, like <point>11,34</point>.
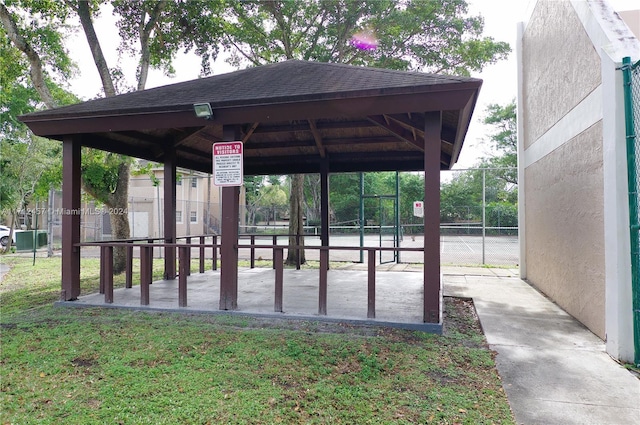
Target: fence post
<point>129,270</point>
<point>145,275</point>
<point>189,256</point>
<point>184,264</point>
<point>215,253</point>
<point>277,259</point>
<point>108,274</point>
<point>201,254</point>
<point>273,255</point>
<point>253,252</point>
<point>371,284</point>
<point>322,292</point>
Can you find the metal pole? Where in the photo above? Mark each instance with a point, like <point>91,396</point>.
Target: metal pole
<point>35,235</point>
<point>484,213</point>
<point>50,223</point>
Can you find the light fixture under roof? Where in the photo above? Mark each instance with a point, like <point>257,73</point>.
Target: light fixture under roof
<point>203,110</point>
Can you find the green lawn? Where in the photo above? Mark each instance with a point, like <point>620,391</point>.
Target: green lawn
<point>84,366</point>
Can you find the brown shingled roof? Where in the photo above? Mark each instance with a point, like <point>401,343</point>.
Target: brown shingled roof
<point>289,114</point>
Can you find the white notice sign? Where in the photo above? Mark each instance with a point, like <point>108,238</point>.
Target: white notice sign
<point>418,209</point>
<point>227,164</point>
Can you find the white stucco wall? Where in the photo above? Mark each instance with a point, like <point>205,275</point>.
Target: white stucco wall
<point>572,163</point>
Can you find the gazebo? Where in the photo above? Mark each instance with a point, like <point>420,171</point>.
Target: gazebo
<point>292,117</point>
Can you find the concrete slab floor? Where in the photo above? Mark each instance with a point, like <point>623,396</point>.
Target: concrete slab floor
<point>398,296</point>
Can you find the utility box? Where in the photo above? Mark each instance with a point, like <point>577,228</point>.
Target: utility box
<point>24,240</point>
<point>41,238</point>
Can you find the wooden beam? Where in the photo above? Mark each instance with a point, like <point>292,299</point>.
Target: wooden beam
<point>249,132</point>
<point>317,138</point>
<point>397,130</point>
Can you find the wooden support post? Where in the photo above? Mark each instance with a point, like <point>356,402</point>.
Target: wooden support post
<point>201,254</point>
<point>150,253</point>
<point>145,275</point>
<point>432,294</point>
<point>252,260</point>
<point>274,242</point>
<point>322,291</point>
<point>371,284</point>
<point>108,274</point>
<point>169,212</point>
<point>214,265</point>
<point>229,249</point>
<point>129,270</point>
<point>184,262</point>
<point>188,269</point>
<point>279,280</point>
<point>102,269</point>
<point>71,155</point>
<point>324,204</point>
<point>298,252</point>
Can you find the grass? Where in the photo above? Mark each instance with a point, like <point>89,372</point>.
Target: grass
<point>86,366</point>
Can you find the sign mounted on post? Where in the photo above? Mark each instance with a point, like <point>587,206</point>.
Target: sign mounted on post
<point>228,164</point>
<point>418,208</point>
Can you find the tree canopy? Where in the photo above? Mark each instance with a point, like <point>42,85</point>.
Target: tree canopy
<point>437,36</point>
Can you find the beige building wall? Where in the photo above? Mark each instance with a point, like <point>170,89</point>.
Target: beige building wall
<point>572,162</point>
<point>563,175</point>
<point>193,204</point>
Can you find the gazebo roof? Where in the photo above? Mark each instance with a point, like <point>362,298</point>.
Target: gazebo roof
<point>290,115</point>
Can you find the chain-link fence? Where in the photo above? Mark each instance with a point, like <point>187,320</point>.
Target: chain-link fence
<point>478,214</point>
<point>632,112</point>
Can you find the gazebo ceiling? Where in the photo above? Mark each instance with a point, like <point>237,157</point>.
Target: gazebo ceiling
<point>290,115</point>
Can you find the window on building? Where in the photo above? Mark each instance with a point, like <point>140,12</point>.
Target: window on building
<point>194,182</point>
<point>178,216</point>
<point>178,181</point>
<point>194,216</point>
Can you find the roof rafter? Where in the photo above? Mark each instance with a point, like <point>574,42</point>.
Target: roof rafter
<point>397,130</point>
<point>317,138</point>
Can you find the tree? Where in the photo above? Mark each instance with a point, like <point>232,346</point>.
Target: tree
<point>29,165</point>
<point>422,35</point>
<point>503,140</point>
<point>153,30</point>
<point>461,198</point>
<point>273,197</point>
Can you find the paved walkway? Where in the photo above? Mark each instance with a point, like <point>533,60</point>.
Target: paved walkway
<point>554,370</point>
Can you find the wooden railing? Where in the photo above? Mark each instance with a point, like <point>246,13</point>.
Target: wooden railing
<point>146,247</point>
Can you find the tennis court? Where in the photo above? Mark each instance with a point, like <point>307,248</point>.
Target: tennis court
<point>454,249</point>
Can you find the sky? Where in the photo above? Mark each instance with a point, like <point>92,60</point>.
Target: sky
<point>499,80</point>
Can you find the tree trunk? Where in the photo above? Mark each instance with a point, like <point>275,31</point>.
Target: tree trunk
<point>119,217</point>
<point>117,202</point>
<point>84,13</point>
<point>296,219</point>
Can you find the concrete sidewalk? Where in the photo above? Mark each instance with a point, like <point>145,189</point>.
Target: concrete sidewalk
<point>554,370</point>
